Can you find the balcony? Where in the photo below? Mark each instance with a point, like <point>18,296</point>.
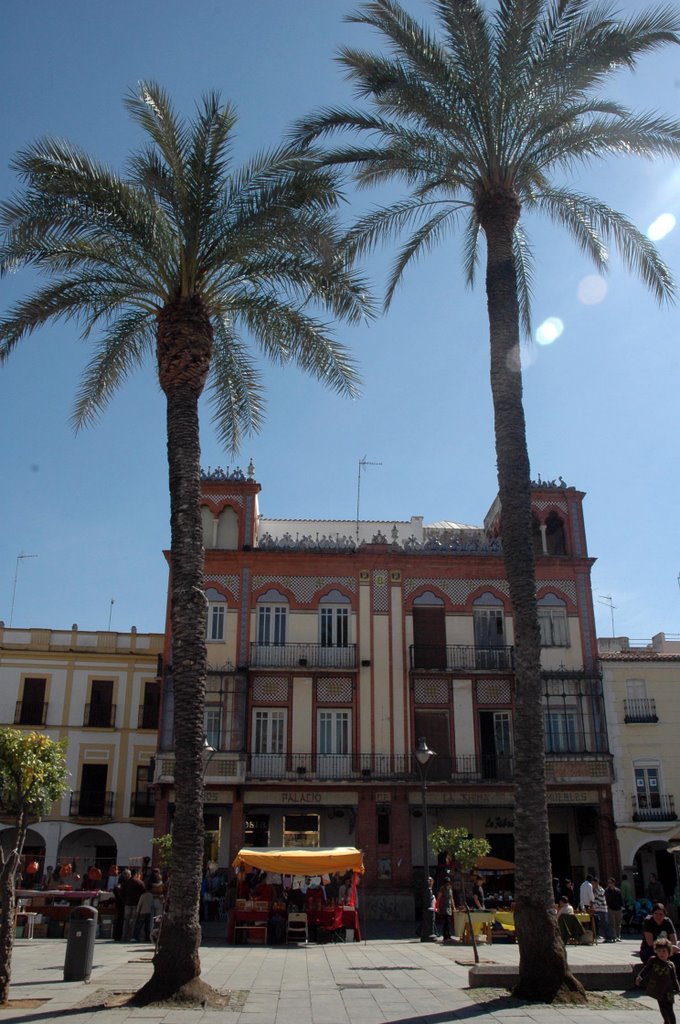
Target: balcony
<point>654,807</point>
<point>148,716</point>
<point>30,713</point>
<point>99,716</point>
<point>91,805</point>
<point>365,767</point>
<point>640,709</point>
<point>219,767</point>
<point>142,805</point>
<point>460,658</point>
<point>302,656</point>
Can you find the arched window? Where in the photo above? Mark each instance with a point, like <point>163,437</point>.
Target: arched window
<point>536,537</point>
<point>272,618</point>
<point>429,631</point>
<point>488,615</point>
<point>208,524</point>
<point>217,611</point>
<point>334,609</point>
<point>227,530</point>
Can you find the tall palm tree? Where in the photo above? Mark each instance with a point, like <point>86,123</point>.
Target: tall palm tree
<point>173,258</point>
<point>474,120</point>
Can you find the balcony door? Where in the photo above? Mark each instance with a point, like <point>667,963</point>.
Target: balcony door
<point>334,743</point>
<point>268,759</point>
<point>101,704</point>
<point>32,702</point>
<point>93,790</point>
<point>647,789</point>
<point>495,731</point>
<point>489,630</point>
<point>429,632</point>
<point>436,728</point>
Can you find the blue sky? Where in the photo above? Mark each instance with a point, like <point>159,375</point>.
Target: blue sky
<point>601,400</point>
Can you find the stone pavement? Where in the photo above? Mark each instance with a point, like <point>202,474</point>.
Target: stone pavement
<point>393,981</point>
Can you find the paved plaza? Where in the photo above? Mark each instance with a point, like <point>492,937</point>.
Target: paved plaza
<point>398,980</point>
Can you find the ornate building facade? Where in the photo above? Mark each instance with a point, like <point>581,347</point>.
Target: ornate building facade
<point>334,645</point>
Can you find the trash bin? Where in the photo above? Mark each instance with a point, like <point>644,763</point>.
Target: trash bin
<point>82,929</point>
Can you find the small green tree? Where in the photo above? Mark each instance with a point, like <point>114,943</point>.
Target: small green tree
<point>465,850</point>
<point>164,846</point>
<point>33,775</point>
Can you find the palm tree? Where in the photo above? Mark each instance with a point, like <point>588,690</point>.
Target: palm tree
<point>176,256</point>
<point>474,120</point>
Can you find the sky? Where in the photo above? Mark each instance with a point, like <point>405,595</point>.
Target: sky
<point>84,518</point>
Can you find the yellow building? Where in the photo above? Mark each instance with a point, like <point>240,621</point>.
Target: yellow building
<point>101,692</point>
<point>642,699</point>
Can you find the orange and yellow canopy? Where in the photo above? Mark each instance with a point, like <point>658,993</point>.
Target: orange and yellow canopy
<point>288,861</point>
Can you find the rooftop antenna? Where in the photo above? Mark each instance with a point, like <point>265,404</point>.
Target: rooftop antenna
<point>113,601</point>
<point>607,599</point>
<point>14,588</point>
<point>362,465</point>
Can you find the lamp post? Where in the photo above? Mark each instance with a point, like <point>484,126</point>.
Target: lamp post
<point>423,756</point>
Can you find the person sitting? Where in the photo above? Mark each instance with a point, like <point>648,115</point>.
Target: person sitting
<point>564,907</point>
<point>658,925</point>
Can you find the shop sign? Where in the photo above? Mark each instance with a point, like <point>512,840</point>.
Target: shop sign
<point>568,796</point>
<point>300,798</point>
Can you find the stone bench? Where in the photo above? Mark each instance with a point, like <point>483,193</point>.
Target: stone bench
<point>593,977</point>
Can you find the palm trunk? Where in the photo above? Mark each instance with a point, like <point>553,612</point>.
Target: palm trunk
<point>543,964</point>
<point>184,345</point>
<point>8,873</point>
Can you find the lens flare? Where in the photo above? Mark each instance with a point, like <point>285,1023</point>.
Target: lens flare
<point>549,330</point>
<point>591,289</point>
<point>661,227</point>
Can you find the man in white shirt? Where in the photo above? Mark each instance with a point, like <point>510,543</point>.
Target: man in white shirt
<point>586,894</point>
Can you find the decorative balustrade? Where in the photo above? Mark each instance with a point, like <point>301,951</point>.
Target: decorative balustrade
<point>654,807</point>
<point>99,716</point>
<point>640,709</point>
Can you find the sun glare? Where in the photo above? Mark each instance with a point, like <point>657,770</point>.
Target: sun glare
<point>591,289</point>
<point>661,227</point>
<point>549,330</point>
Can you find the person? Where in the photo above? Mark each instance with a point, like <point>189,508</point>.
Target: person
<point>600,908</point>
<point>655,890</point>
<point>564,906</point>
<point>656,926</point>
<point>477,893</point>
<point>662,980</point>
<point>157,892</point>
<point>143,916</point>
<point>264,890</point>
<point>120,905</point>
<point>568,891</point>
<point>614,900</point>
<point>132,888</point>
<point>585,897</point>
<point>445,910</point>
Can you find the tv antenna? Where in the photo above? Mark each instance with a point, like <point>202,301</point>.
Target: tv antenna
<point>607,599</point>
<point>14,588</point>
<point>362,465</point>
<point>111,604</point>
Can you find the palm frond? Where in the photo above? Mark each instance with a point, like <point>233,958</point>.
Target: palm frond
<point>424,238</point>
<point>524,275</point>
<point>592,222</point>
<point>235,389</point>
<point>471,248</point>
<point>122,348</point>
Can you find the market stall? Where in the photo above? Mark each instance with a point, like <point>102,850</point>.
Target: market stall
<point>334,917</point>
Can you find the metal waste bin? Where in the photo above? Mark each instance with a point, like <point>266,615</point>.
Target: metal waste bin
<point>82,930</point>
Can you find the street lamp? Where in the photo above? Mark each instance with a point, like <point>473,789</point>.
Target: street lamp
<point>423,756</point>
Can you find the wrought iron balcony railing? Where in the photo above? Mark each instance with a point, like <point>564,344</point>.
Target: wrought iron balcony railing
<point>99,716</point>
<point>640,709</point>
<point>142,805</point>
<point>654,807</point>
<point>356,767</point>
<point>148,716</point>
<point>302,655</point>
<point>88,804</point>
<point>461,658</point>
<point>30,713</point>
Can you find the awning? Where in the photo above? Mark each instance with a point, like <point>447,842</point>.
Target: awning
<point>495,864</point>
<point>291,861</point>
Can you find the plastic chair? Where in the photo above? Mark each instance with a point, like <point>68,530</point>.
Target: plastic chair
<point>297,928</point>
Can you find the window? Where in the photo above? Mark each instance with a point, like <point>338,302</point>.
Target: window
<point>647,789</point>
<point>334,620</point>
<point>272,619</point>
<point>271,624</point>
<point>31,710</point>
<point>552,619</point>
<point>149,711</point>
<point>143,802</point>
<point>99,712</point>
<point>269,742</point>
<point>334,732</point>
<point>489,631</point>
<point>215,626</point>
<point>212,726</point>
<point>301,830</point>
<point>562,733</point>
